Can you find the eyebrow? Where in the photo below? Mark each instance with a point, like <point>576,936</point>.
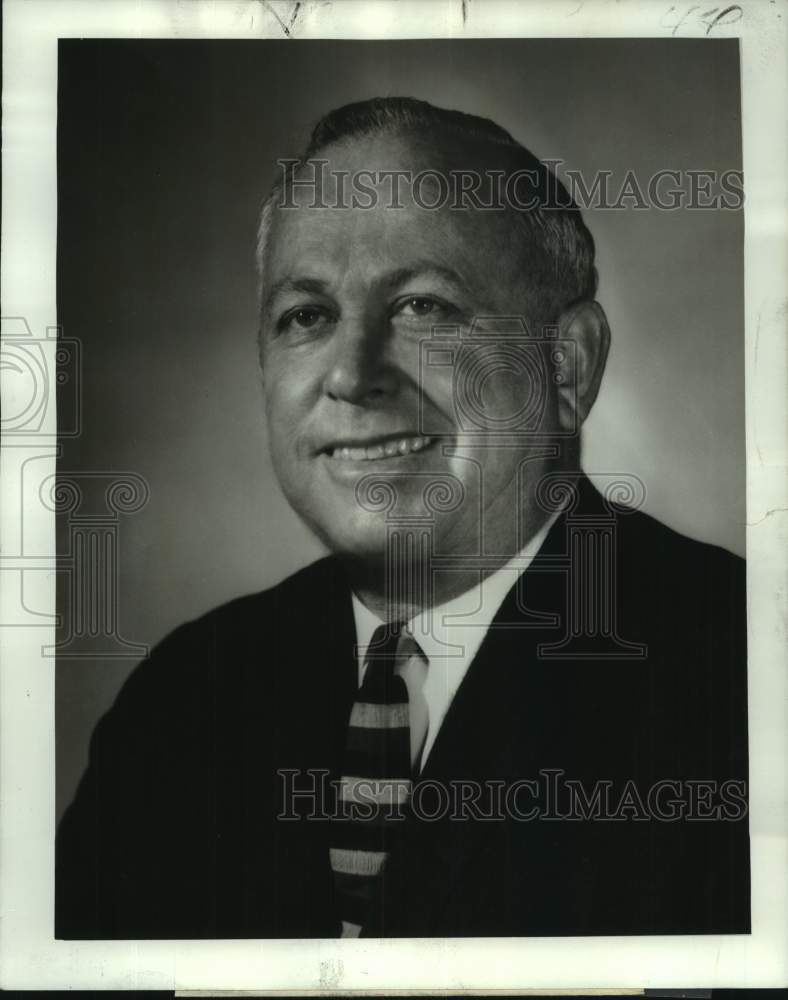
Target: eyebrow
<point>314,286</point>
<point>425,269</point>
<point>395,279</point>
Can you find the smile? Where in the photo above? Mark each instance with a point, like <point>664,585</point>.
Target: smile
<point>379,450</point>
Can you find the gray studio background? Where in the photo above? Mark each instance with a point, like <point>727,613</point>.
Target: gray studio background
<point>165,150</point>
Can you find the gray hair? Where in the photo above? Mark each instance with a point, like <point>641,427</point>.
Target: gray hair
<point>560,247</point>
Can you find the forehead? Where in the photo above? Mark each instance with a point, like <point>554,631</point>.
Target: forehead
<point>393,231</point>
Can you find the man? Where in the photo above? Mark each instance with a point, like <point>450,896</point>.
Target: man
<point>507,704</point>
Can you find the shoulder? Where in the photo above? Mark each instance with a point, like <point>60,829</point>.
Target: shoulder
<point>686,597</point>
<point>645,534</point>
<point>666,560</point>
<point>684,603</point>
<point>238,639</point>
<point>659,551</point>
<point>322,580</point>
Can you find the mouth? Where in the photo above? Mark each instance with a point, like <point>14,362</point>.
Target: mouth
<point>377,449</point>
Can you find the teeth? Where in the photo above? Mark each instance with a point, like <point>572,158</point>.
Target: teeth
<point>403,446</point>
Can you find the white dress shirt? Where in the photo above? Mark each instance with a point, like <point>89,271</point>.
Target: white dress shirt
<point>449,637</point>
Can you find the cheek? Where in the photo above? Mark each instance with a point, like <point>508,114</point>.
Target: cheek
<point>504,393</point>
<point>285,413</point>
<point>508,391</point>
<point>288,384</point>
<point>436,390</point>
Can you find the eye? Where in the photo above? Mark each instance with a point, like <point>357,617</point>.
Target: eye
<point>419,305</point>
<point>306,317</point>
<point>303,318</point>
<point>413,308</point>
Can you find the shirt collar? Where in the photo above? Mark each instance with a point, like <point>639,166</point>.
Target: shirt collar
<point>454,630</point>
<point>450,634</point>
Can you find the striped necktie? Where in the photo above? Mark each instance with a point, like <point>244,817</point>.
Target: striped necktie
<point>375,785</point>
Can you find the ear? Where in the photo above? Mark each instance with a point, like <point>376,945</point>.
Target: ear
<point>585,326</point>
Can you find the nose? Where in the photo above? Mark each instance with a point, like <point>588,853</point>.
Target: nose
<point>358,371</point>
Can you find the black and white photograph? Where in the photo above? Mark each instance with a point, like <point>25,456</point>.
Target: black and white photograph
<point>398,475</point>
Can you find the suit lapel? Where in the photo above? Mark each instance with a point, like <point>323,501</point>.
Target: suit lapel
<point>315,685</point>
<point>316,676</point>
<point>484,737</point>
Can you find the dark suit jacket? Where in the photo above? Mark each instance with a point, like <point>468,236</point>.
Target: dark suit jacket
<point>174,830</point>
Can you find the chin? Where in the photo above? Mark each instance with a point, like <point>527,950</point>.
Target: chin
<point>360,536</point>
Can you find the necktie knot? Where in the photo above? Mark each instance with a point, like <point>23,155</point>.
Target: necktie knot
<point>384,642</point>
<point>381,658</point>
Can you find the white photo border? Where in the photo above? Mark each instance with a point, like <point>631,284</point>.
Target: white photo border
<point>29,955</point>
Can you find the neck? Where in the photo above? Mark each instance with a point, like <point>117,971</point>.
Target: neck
<point>400,587</point>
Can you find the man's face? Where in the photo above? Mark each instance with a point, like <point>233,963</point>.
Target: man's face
<point>349,298</point>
